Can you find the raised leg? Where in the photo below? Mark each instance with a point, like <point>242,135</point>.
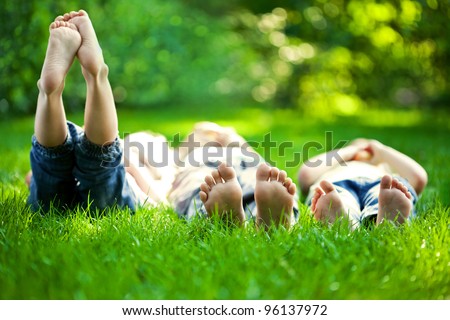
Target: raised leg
<point>50,122</point>
<point>100,118</point>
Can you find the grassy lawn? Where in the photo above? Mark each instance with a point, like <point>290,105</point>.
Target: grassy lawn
<point>155,255</point>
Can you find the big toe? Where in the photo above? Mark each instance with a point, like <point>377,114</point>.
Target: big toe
<point>203,196</point>
<point>82,12</point>
<point>386,182</point>
<point>263,172</point>
<point>326,186</point>
<point>292,189</point>
<point>227,173</point>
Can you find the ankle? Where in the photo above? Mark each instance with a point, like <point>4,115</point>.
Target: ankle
<point>99,73</point>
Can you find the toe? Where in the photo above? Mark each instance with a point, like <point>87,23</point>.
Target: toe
<point>404,189</point>
<point>386,182</point>
<point>274,174</point>
<point>287,182</point>
<point>326,186</point>
<point>318,192</point>
<point>282,176</point>
<point>210,181</point>
<point>205,188</point>
<point>216,176</point>
<point>396,184</point>
<point>313,205</point>
<point>263,172</point>
<point>82,12</point>
<point>59,18</point>
<point>292,189</point>
<point>203,196</point>
<point>66,16</point>
<point>400,186</point>
<point>227,173</point>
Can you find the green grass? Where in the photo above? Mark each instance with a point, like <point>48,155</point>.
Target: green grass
<point>155,255</point>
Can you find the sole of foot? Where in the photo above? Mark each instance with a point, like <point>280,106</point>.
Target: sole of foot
<point>326,204</point>
<point>274,196</point>
<point>63,45</point>
<point>394,201</point>
<point>221,194</point>
<point>90,53</point>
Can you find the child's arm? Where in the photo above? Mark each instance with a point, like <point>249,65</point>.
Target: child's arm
<point>315,167</point>
<point>399,163</point>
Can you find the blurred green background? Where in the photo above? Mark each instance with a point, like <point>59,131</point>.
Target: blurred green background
<point>331,57</point>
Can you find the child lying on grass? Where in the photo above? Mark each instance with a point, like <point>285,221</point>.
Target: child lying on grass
<point>356,183</point>
<point>214,171</point>
<point>70,165</point>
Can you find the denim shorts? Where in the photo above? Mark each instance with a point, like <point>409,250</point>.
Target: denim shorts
<point>361,196</point>
<point>78,172</point>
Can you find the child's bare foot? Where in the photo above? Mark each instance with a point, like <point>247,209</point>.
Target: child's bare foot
<point>394,201</point>
<point>90,54</point>
<point>62,46</point>
<point>274,196</point>
<point>221,193</point>
<point>326,204</point>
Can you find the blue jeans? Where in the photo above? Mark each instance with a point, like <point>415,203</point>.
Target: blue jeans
<point>78,172</point>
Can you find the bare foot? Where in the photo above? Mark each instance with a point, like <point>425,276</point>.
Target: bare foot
<point>222,194</point>
<point>90,54</point>
<point>394,201</point>
<point>62,46</point>
<point>326,204</point>
<point>274,196</point>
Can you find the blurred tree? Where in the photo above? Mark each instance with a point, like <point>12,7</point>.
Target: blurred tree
<point>158,52</point>
<point>326,56</point>
<point>339,56</point>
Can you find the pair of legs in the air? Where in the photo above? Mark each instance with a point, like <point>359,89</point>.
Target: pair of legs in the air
<point>70,165</point>
<point>72,35</point>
